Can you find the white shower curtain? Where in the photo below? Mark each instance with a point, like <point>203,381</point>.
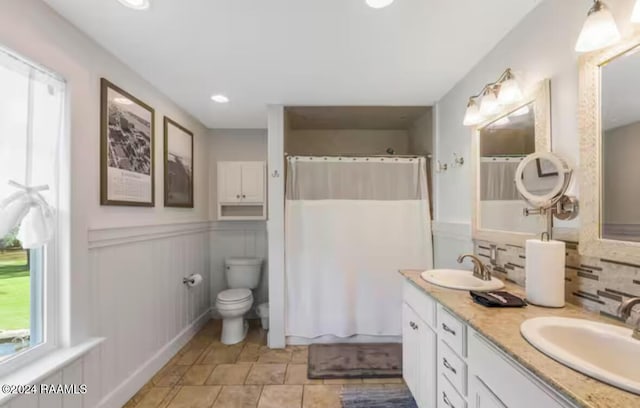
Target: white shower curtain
<point>351,224</point>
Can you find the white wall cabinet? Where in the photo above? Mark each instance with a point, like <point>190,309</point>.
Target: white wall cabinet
<point>241,191</point>
<point>447,364</point>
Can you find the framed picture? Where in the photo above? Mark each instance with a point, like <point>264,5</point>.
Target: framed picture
<point>126,149</point>
<point>178,165</point>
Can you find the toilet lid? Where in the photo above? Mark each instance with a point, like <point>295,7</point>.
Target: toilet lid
<point>234,295</point>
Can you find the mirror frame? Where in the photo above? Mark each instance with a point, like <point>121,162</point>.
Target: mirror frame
<point>540,96</point>
<point>590,130</point>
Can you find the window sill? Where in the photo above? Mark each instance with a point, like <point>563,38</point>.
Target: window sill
<point>40,369</point>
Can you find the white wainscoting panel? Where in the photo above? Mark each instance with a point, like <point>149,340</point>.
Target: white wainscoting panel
<point>140,306</point>
<point>238,239</point>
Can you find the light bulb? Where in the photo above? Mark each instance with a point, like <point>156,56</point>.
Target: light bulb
<point>635,15</point>
<point>489,104</point>
<point>136,4</point>
<point>378,4</point>
<point>599,30</point>
<point>472,115</point>
<point>509,90</point>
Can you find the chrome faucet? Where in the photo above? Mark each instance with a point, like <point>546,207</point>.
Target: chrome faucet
<point>624,311</point>
<point>480,271</point>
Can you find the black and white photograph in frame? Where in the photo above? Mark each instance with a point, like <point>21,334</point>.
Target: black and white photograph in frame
<point>127,145</point>
<point>178,165</point>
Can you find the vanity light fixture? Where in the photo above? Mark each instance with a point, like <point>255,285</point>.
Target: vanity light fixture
<point>489,104</point>
<point>136,4</point>
<point>378,4</point>
<point>503,92</point>
<point>219,98</point>
<point>635,15</point>
<point>599,30</point>
<point>510,91</point>
<point>472,115</point>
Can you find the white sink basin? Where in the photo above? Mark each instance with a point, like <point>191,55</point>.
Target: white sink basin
<point>459,279</point>
<point>602,351</point>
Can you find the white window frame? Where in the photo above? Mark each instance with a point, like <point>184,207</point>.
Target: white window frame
<point>49,254</point>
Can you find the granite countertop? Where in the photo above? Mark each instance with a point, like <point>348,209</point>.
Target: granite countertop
<point>502,327</point>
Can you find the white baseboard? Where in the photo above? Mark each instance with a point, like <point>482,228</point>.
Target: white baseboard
<point>128,388</point>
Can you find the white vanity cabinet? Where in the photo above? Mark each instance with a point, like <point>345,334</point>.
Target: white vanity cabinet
<point>419,347</point>
<point>447,364</point>
<point>241,190</point>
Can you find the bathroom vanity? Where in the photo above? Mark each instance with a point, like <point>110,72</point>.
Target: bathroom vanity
<point>457,354</point>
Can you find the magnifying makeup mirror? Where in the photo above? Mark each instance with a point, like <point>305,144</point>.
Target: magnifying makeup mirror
<point>542,179</point>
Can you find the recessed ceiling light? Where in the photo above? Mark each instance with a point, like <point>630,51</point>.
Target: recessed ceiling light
<point>220,98</point>
<point>378,4</point>
<point>136,4</point>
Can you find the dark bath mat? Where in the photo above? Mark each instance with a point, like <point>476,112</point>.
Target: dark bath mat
<point>378,397</point>
<point>370,360</point>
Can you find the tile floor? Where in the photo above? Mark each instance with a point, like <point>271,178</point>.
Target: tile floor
<point>207,373</point>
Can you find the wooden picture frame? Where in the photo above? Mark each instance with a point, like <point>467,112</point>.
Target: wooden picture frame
<point>178,165</point>
<point>127,145</point>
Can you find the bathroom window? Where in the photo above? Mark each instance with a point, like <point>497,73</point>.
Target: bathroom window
<point>32,101</point>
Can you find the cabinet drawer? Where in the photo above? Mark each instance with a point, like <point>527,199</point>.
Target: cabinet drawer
<point>452,331</point>
<point>507,380</point>
<point>448,397</point>
<point>419,301</point>
<point>452,367</point>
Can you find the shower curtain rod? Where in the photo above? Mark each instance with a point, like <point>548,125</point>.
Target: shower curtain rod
<point>399,156</point>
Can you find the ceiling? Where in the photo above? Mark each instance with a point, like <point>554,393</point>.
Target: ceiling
<point>355,117</point>
<point>296,52</point>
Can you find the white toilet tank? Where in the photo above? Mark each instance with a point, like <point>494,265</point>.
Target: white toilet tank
<point>243,272</point>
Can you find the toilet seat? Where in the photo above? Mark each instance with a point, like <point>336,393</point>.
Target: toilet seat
<point>233,296</point>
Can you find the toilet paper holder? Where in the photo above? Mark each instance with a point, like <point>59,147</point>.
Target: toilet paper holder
<point>192,280</point>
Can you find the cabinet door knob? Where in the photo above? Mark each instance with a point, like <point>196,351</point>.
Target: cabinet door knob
<point>448,366</point>
<point>238,196</point>
<point>244,196</point>
<point>448,329</point>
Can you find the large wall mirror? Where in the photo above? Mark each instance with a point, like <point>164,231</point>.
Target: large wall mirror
<point>500,144</point>
<point>610,146</point>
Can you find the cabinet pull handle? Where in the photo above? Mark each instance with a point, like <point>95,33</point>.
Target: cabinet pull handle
<point>446,400</point>
<point>449,366</point>
<point>448,329</point>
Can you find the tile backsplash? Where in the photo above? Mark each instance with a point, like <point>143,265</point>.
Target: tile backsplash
<point>593,283</point>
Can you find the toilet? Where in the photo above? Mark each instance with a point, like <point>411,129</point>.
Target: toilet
<point>243,275</point>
